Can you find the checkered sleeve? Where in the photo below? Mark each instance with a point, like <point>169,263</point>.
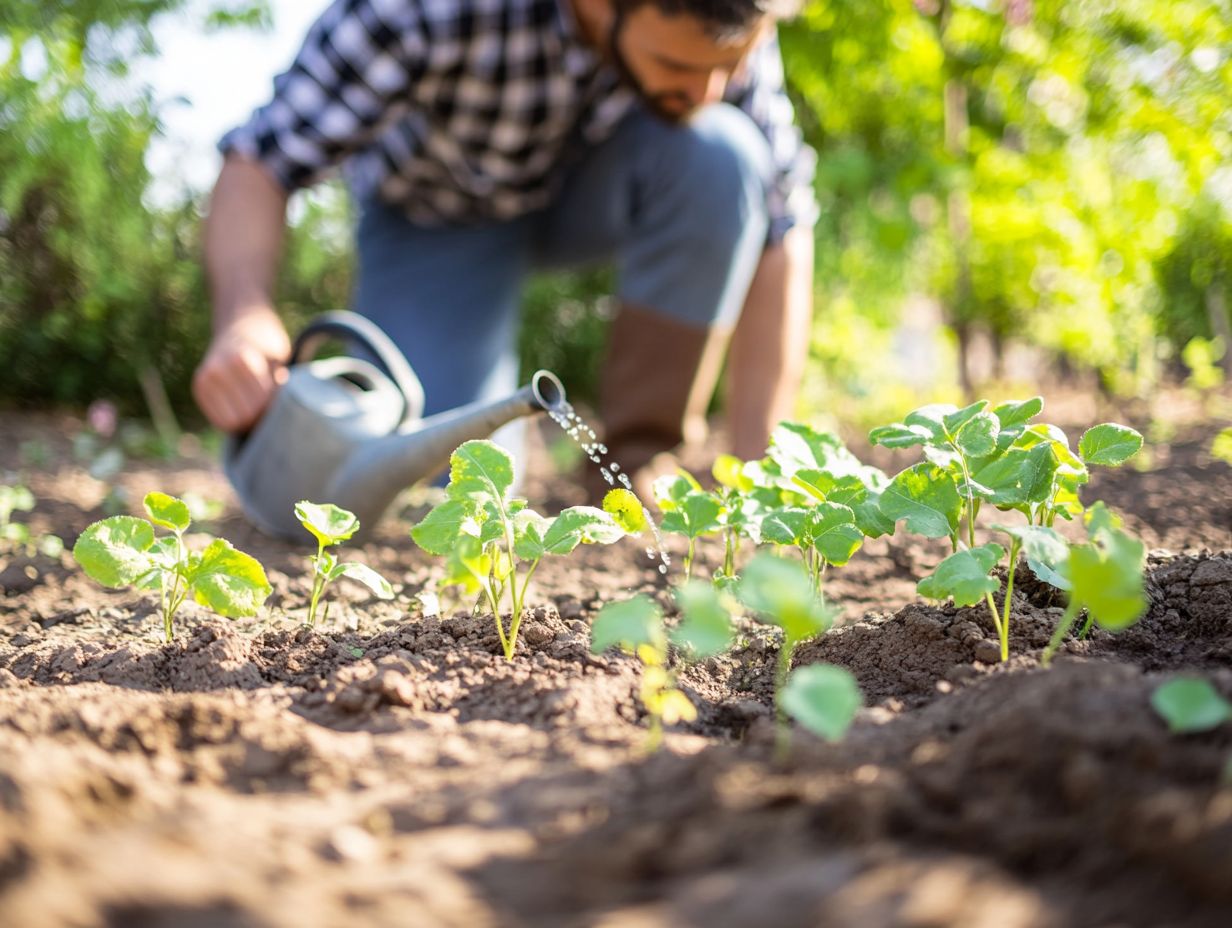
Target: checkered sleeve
<point>348,80</point>
<point>761,94</point>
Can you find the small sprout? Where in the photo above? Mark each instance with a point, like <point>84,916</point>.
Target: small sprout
<point>688,510</point>
<point>332,525</point>
<point>123,551</point>
<point>357,652</point>
<point>1191,704</point>
<point>17,535</point>
<point>1221,446</point>
<point>636,626</point>
<point>706,627</point>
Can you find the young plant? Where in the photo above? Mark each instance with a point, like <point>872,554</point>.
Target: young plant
<point>332,525</point>
<point>123,551</point>
<point>17,534</point>
<point>688,510</point>
<point>825,699</point>
<point>636,625</point>
<point>1191,704</point>
<point>494,543</point>
<point>1105,576</point>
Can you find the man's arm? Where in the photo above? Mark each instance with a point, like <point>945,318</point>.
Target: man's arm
<point>243,242</point>
<point>770,345</point>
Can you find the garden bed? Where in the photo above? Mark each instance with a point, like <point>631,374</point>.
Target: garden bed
<point>393,768</point>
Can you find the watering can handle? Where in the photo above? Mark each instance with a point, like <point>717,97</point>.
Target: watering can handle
<point>364,333</point>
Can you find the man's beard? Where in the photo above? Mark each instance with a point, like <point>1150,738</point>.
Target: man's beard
<point>660,104</point>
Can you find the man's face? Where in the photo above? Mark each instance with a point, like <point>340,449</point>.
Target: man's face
<point>672,62</point>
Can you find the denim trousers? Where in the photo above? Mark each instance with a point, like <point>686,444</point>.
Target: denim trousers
<point>679,210</point>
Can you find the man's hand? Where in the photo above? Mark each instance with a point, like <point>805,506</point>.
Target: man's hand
<point>244,365</point>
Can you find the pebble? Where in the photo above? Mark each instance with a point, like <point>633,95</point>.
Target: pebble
<point>988,651</point>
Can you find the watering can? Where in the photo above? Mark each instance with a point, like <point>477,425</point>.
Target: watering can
<point>351,432</point>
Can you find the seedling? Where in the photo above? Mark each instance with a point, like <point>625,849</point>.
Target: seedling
<point>18,534</point>
<point>688,510</point>
<point>826,698</point>
<point>332,525</point>
<point>636,626</point>
<point>1191,704</point>
<point>493,542</point>
<point>1105,577</point>
<point>123,551</point>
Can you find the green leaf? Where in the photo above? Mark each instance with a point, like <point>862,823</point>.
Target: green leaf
<point>1107,574</point>
<point>438,531</point>
<point>822,698</point>
<point>728,471</point>
<point>899,435</point>
<point>479,470</point>
<point>1019,476</point>
<point>467,565</point>
<point>115,551</point>
<point>1191,704</point>
<point>780,592</point>
<point>529,529</point>
<point>795,448</point>
<point>365,575</point>
<point>629,624</point>
<point>978,435</point>
<point>1109,445</point>
<point>581,525</point>
<point>671,489</point>
<point>695,515</point>
<point>865,503</point>
<point>167,511</point>
<point>785,527</point>
<point>1221,447</point>
<point>1046,551</point>
<point>626,509</point>
<point>329,523</point>
<point>834,533</point>
<point>956,421</point>
<point>229,581</point>
<point>706,627</point>
<point>964,575</point>
<point>1015,414</point>
<point>927,497</point>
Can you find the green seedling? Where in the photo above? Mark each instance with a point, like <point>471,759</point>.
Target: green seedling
<point>825,700</point>
<point>688,510</point>
<point>17,535</point>
<point>1221,445</point>
<point>332,525</point>
<point>1191,704</point>
<point>1106,577</point>
<point>493,543</point>
<point>637,627</point>
<point>123,551</point>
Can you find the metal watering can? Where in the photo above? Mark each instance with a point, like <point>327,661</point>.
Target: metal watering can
<point>350,432</point>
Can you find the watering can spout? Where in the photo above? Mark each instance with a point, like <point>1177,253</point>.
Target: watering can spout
<point>372,476</point>
<point>349,431</point>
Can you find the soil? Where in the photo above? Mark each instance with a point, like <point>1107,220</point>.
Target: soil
<point>390,767</point>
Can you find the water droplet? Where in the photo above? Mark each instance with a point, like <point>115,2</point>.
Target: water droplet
<point>615,466</point>
<point>603,449</point>
<point>607,475</point>
<point>626,482</point>
<point>663,568</point>
<point>595,458</point>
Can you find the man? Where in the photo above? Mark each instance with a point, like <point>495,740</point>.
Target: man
<point>486,138</point>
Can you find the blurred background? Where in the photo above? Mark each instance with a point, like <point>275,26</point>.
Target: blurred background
<point>1011,190</point>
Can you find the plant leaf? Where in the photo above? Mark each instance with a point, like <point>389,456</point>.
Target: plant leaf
<point>822,698</point>
<point>898,435</point>
<point>228,581</point>
<point>695,515</point>
<point>1190,704</point>
<point>1015,414</point>
<point>780,592</point>
<point>467,565</point>
<point>1107,574</point>
<point>529,529</point>
<point>115,551</point>
<point>728,471</point>
<point>978,435</point>
<point>865,503</point>
<point>1109,445</point>
<point>964,575</point>
<point>479,470</point>
<point>167,511</point>
<point>785,526</point>
<point>631,624</point>
<point>365,575</point>
<point>626,509</point>
<point>834,533</point>
<point>329,523</point>
<point>580,525</point>
<point>706,627</point>
<point>1046,551</point>
<point>956,421</point>
<point>927,497</point>
<point>438,531</point>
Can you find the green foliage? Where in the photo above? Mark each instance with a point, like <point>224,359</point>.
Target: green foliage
<point>485,533</point>
<point>123,551</point>
<point>1191,704</point>
<point>331,525</point>
<point>964,576</point>
<point>823,698</point>
<point>17,535</point>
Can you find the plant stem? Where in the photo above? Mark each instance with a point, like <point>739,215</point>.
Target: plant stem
<point>1086,626</point>
<point>1002,635</point>
<point>782,733</point>
<point>688,560</point>
<point>1063,627</point>
<point>1009,596</point>
<point>318,584</point>
<point>519,600</point>
<point>729,552</point>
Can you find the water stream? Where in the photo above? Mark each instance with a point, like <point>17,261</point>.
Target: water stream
<point>567,418</point>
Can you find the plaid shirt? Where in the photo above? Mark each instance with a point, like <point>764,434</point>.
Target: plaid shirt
<point>466,110</point>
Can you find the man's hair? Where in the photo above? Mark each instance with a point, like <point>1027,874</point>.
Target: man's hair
<point>723,19</point>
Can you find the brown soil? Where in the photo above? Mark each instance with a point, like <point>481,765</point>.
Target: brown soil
<point>393,768</point>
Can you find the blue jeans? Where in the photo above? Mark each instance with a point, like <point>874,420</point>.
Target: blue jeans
<point>680,210</point>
